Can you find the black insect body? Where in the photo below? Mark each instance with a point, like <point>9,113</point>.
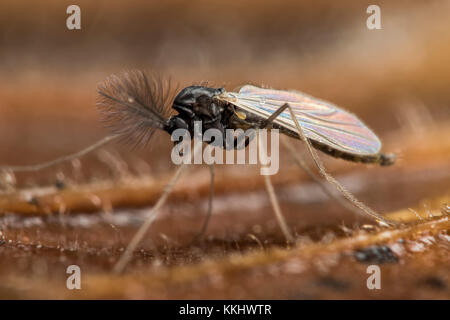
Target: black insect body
<point>195,103</point>
<point>198,103</point>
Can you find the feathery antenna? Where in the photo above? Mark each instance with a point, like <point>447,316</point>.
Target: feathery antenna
<point>133,105</point>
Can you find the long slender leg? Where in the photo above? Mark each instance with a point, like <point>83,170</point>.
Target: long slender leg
<point>40,166</point>
<point>301,163</point>
<point>350,197</point>
<point>274,202</point>
<point>322,170</point>
<point>126,256</point>
<point>210,206</point>
<point>273,116</point>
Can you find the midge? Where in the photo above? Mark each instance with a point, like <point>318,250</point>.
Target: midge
<point>129,105</point>
<point>328,128</point>
<point>134,106</point>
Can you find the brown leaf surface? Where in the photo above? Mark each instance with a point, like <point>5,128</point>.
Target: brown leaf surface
<point>85,212</point>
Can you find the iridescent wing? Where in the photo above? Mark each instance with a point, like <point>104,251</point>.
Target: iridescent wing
<point>321,121</point>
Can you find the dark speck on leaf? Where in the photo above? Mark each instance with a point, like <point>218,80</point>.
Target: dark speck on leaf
<point>434,283</point>
<point>60,184</point>
<point>334,284</point>
<point>376,254</point>
<point>33,201</point>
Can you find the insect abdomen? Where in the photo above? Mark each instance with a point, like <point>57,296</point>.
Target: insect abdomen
<point>380,158</point>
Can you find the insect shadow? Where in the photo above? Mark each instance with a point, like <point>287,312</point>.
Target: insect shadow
<point>134,105</point>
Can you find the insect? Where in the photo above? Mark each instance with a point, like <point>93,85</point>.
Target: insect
<point>134,106</point>
<point>329,128</point>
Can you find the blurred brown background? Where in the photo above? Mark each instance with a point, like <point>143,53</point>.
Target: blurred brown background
<point>48,74</point>
<point>396,80</point>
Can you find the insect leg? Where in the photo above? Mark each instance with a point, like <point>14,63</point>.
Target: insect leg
<point>268,122</point>
<point>350,197</point>
<point>300,161</point>
<point>210,206</point>
<point>302,164</point>
<point>235,143</point>
<point>40,166</point>
<point>275,205</point>
<point>126,256</point>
